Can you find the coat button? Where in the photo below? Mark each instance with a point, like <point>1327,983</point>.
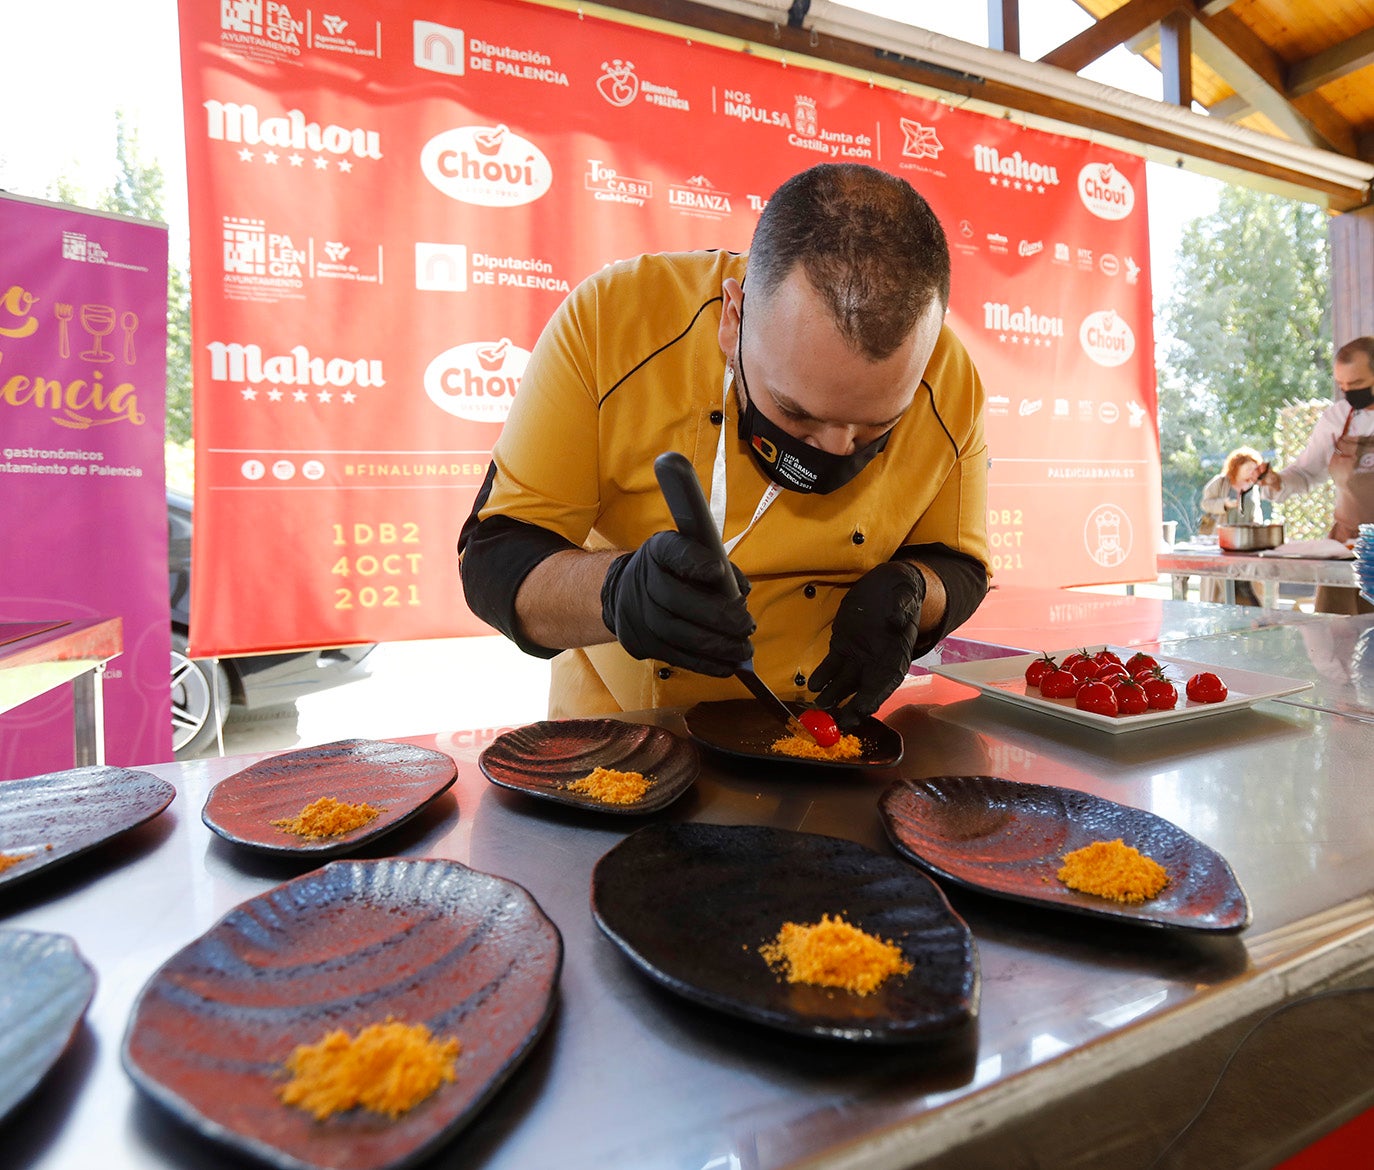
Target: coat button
<point>809,591</point>
<point>717,418</point>
<point>800,679</point>
<point>857,538</point>
<point>665,672</point>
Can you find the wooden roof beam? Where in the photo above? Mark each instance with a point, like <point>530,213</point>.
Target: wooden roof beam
<point>1128,21</point>
<point>1176,56</point>
<point>1004,26</point>
<point>1331,64</point>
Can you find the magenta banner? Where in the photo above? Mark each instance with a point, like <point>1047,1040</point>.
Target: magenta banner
<point>83,374</point>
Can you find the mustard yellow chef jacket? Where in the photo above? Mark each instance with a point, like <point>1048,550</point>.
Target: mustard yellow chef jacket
<point>630,367</point>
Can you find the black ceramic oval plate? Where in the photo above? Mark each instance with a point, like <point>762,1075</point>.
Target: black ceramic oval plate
<point>398,778</point>
<point>424,941</point>
<point>1007,838</point>
<point>542,759</point>
<point>49,819</point>
<point>45,989</point>
<point>744,728</point>
<point>691,904</point>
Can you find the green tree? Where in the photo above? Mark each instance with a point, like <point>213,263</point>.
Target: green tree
<point>1246,331</point>
<point>137,191</point>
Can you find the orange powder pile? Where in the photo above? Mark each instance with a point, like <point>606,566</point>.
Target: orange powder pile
<point>847,747</point>
<point>328,817</point>
<point>832,953</point>
<point>387,1068</point>
<point>9,859</point>
<point>1112,869</point>
<point>612,787</point>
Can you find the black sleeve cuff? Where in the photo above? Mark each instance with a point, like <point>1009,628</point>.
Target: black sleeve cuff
<point>495,557</point>
<point>965,581</point>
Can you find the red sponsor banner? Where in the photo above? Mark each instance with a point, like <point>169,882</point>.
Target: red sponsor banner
<point>83,369</point>
<point>386,210</point>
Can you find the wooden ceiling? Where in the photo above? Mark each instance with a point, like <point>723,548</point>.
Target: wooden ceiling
<point>1297,69</point>
<point>1297,72</point>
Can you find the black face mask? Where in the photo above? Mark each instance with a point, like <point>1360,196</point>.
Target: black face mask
<point>1361,398</point>
<point>788,460</point>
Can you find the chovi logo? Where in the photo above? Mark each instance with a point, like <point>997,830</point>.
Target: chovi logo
<point>478,380</point>
<point>1106,338</point>
<point>1105,191</point>
<point>490,166</point>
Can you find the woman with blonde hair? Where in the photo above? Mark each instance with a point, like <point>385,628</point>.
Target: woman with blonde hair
<point>1230,498</point>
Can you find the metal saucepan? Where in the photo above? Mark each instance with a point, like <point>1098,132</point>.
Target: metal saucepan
<point>1249,537</point>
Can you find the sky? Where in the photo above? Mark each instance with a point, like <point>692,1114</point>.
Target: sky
<point>67,66</point>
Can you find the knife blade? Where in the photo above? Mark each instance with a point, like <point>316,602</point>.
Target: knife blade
<point>677,479</point>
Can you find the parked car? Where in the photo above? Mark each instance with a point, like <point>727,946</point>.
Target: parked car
<point>261,684</point>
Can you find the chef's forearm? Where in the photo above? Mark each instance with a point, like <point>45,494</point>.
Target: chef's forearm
<point>559,603</point>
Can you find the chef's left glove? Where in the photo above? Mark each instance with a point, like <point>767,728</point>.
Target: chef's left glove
<point>872,641</point>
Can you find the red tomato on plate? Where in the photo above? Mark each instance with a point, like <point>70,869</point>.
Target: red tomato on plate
<point>1084,669</point>
<point>1161,693</point>
<point>1104,656</point>
<point>1096,697</point>
<point>1139,661</point>
<point>1038,669</point>
<point>1113,673</point>
<point>1131,698</point>
<point>1058,684</point>
<point>1206,688</point>
<point>821,725</point>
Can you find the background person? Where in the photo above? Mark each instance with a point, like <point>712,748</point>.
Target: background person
<point>838,437</point>
<point>1341,448</point>
<point>1231,498</point>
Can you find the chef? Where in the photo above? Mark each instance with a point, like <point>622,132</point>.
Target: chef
<point>835,423</point>
<point>1341,448</point>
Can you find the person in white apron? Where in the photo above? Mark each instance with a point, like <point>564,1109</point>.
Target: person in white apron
<point>1341,449</point>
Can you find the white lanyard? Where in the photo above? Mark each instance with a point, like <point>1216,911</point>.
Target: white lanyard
<point>770,494</point>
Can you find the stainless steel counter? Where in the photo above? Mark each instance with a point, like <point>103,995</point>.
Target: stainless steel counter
<point>1073,1013</point>
<point>1268,572</point>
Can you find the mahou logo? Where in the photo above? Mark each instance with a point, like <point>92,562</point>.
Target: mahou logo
<point>478,380</point>
<point>489,166</point>
<point>1106,338</point>
<point>1105,191</point>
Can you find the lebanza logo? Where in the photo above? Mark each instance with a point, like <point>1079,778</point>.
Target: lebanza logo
<point>1106,338</point>
<point>477,380</point>
<point>489,166</point>
<point>1105,191</point>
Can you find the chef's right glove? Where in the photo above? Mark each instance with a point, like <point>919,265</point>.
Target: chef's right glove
<point>668,601</point>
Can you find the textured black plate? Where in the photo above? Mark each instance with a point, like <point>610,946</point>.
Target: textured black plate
<point>72,812</point>
<point>45,989</point>
<point>425,941</point>
<point>544,758</point>
<point>1009,839</point>
<point>691,904</point>
<point>397,777</point>
<point>743,728</point>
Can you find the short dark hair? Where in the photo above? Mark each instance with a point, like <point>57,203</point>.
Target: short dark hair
<point>869,244</point>
<point>1364,345</point>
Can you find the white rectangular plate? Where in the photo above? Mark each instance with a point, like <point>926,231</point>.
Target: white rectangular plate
<point>1005,679</point>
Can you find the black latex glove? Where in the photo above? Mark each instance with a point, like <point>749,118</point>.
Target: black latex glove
<point>872,640</point>
<point>668,601</point>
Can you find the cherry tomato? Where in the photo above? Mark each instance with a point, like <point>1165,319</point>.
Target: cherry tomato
<point>1131,698</point>
<point>1070,659</point>
<point>1096,697</point>
<point>1084,669</point>
<point>1104,656</point>
<point>1112,674</point>
<point>1038,669</point>
<point>821,725</point>
<point>1206,688</point>
<point>1139,661</point>
<point>1162,694</point>
<point>1058,684</point>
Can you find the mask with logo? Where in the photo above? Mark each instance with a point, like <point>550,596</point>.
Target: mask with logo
<point>789,461</point>
<point>1360,398</point>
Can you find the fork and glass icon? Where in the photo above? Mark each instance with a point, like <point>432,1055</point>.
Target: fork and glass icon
<point>98,321</point>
